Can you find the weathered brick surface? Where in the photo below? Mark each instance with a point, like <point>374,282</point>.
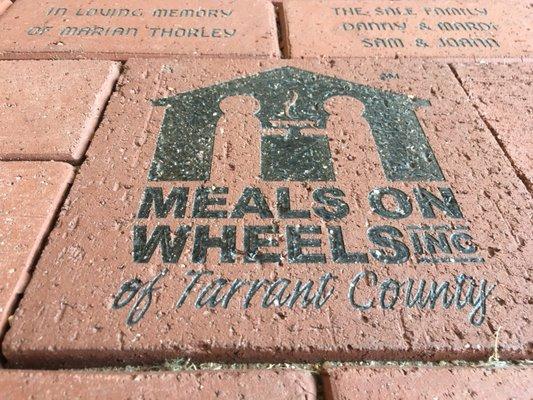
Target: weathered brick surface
<point>4,4</point>
<point>409,193</point>
<point>220,385</point>
<point>108,30</point>
<point>445,29</point>
<point>429,383</point>
<point>49,109</point>
<point>503,94</point>
<point>30,193</point>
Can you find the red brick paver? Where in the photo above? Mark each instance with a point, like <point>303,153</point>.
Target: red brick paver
<point>201,385</point>
<point>429,383</point>
<point>409,233</point>
<point>444,29</point>
<point>109,30</point>
<point>503,94</point>
<point>369,199</point>
<point>49,109</point>
<point>30,193</point>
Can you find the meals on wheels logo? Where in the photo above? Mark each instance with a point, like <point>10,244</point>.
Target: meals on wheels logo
<point>294,99</point>
<point>266,224</point>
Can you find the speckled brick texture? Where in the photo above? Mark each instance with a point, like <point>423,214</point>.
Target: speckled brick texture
<point>503,95</point>
<point>30,194</point>
<point>107,29</point>
<point>392,382</point>
<point>50,109</point>
<point>386,250</point>
<point>200,385</point>
<point>444,30</point>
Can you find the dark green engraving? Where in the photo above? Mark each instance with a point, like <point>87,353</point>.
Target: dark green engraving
<point>184,149</point>
<point>141,293</point>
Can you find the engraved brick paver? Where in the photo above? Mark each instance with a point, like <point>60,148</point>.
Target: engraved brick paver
<point>30,193</point>
<point>200,385</point>
<point>349,210</point>
<point>49,109</point>
<point>503,94</point>
<point>429,383</point>
<point>110,30</point>
<point>444,29</point>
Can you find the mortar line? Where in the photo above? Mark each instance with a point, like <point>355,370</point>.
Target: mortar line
<point>321,382</point>
<point>79,162</point>
<point>184,365</point>
<point>102,113</point>
<point>281,30</point>
<point>36,257</point>
<point>55,217</point>
<point>520,175</point>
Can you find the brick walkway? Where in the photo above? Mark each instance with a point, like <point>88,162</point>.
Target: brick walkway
<point>297,199</point>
